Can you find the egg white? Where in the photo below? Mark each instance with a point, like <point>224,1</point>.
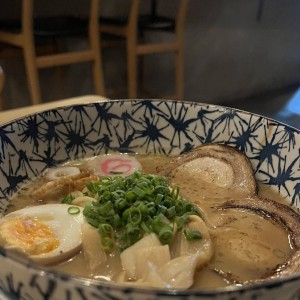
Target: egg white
<point>65,226</point>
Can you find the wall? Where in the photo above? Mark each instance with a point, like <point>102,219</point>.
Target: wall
<point>229,53</point>
<point>249,56</point>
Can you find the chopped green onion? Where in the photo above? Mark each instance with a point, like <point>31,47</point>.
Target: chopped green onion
<point>192,234</point>
<point>159,198</point>
<point>171,213</point>
<point>91,187</point>
<point>165,234</point>
<point>127,208</point>
<point>105,229</point>
<point>135,216</point>
<point>107,209</point>
<point>68,199</point>
<point>117,223</point>
<point>107,243</point>
<point>130,196</point>
<point>134,233</point>
<point>73,210</point>
<point>146,228</point>
<point>175,192</point>
<point>138,191</point>
<point>115,172</point>
<point>162,209</point>
<point>182,220</point>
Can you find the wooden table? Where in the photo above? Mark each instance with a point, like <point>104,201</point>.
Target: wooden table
<point>8,115</point>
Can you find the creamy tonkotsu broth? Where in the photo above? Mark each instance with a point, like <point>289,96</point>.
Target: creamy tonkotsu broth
<point>246,246</point>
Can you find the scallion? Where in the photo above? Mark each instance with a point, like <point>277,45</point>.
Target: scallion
<point>68,199</point>
<point>73,210</point>
<point>165,234</point>
<point>127,208</point>
<point>192,234</point>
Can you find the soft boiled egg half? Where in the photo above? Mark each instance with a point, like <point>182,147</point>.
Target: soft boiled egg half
<point>49,233</point>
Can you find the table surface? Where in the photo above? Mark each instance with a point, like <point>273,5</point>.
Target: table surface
<point>8,115</point>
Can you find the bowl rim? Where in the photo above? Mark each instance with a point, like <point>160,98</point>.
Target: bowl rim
<point>53,274</point>
<point>49,273</point>
<point>120,100</point>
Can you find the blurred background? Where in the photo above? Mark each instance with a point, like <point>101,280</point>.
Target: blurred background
<point>237,53</point>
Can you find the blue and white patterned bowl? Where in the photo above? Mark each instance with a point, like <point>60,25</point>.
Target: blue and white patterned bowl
<point>33,143</point>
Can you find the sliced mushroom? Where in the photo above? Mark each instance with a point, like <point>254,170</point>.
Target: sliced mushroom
<point>220,165</point>
<point>261,234</point>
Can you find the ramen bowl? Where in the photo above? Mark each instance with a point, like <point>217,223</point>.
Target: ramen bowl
<point>31,144</point>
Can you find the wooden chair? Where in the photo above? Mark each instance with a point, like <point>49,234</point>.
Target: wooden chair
<point>31,29</point>
<point>133,29</point>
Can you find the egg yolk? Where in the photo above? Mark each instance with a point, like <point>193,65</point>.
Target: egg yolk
<point>30,235</point>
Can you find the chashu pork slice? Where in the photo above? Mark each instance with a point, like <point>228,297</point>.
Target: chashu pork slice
<point>260,234</point>
<point>222,166</point>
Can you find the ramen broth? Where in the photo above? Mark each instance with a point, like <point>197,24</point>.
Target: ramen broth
<point>245,244</point>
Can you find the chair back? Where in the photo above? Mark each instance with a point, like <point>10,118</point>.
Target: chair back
<point>31,28</point>
<point>27,16</point>
<point>181,17</point>
<point>132,29</point>
<point>133,16</point>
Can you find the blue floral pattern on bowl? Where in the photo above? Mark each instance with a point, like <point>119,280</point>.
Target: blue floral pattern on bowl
<point>31,144</point>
